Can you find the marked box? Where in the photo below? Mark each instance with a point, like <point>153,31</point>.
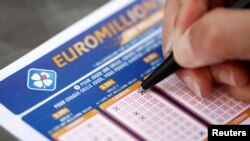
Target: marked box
<point>152,117</point>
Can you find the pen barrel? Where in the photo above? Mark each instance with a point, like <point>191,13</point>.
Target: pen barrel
<point>168,67</point>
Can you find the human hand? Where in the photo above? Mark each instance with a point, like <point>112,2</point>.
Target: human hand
<point>212,42</point>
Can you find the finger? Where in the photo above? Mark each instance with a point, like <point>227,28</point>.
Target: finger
<point>187,12</point>
<point>218,36</point>
<point>190,11</point>
<point>241,93</point>
<point>198,80</point>
<point>181,14</point>
<point>230,73</point>
<point>171,9</point>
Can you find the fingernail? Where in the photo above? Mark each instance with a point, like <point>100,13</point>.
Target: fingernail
<point>170,42</point>
<point>197,89</point>
<point>184,53</point>
<point>227,77</point>
<point>192,85</point>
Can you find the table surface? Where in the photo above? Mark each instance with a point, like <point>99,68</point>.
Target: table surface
<point>26,24</point>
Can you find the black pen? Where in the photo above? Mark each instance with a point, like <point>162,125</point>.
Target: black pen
<point>169,66</point>
<point>166,68</point>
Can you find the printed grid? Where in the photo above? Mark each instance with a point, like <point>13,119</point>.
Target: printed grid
<point>218,108</point>
<point>153,118</point>
<point>97,128</point>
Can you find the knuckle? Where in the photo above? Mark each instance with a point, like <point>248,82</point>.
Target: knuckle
<point>241,94</point>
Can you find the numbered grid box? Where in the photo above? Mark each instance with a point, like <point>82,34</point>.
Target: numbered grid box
<point>92,127</point>
<point>218,108</point>
<point>154,118</point>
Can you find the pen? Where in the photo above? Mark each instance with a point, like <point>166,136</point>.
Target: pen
<point>169,65</point>
<point>166,68</point>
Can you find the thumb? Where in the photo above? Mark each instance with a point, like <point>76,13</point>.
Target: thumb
<point>218,36</point>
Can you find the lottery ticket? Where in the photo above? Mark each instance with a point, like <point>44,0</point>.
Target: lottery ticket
<point>82,84</point>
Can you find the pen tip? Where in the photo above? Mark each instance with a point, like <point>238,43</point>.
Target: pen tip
<point>141,91</point>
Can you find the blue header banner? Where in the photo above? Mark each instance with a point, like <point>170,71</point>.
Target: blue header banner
<point>73,59</point>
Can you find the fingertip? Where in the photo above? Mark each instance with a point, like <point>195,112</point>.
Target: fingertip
<point>242,76</point>
<point>230,73</point>
<point>240,93</point>
<point>198,80</point>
